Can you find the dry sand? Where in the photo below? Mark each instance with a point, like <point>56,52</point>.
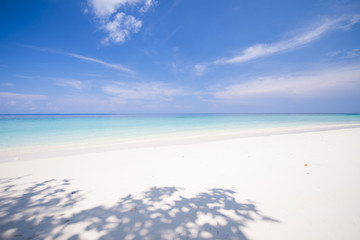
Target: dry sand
<point>289,186</point>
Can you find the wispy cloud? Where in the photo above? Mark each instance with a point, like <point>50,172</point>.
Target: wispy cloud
<point>302,85</point>
<point>92,74</point>
<point>110,65</point>
<point>142,91</point>
<point>117,24</point>
<point>20,96</point>
<point>72,83</point>
<point>3,66</point>
<point>6,84</point>
<point>23,100</point>
<point>353,53</point>
<point>85,58</point>
<point>200,69</point>
<point>300,40</point>
<point>24,76</point>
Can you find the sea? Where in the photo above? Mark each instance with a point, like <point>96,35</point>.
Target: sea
<point>50,129</point>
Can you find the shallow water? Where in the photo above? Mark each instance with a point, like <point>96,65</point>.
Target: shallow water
<point>32,130</point>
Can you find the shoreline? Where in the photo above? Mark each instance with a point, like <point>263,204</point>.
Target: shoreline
<point>113,144</point>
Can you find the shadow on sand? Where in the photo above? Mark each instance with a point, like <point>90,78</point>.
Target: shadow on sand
<point>47,210</point>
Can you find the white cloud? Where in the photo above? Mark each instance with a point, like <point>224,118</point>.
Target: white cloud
<point>121,27</point>
<point>73,83</point>
<point>147,4</point>
<point>142,91</point>
<point>104,8</point>
<point>262,50</point>
<point>308,84</point>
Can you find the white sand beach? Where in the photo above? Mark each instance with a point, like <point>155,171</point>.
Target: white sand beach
<point>290,186</point>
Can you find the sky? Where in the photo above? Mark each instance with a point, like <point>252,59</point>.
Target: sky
<point>179,56</point>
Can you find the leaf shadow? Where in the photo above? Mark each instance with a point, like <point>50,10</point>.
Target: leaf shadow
<point>158,213</point>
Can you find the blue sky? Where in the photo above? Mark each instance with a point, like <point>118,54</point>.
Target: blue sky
<point>181,56</point>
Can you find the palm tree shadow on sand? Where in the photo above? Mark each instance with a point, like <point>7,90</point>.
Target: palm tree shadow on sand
<point>159,213</point>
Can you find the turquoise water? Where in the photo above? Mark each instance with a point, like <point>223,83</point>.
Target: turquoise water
<point>30,130</point>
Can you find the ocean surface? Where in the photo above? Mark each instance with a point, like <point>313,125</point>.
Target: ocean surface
<point>35,130</point>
